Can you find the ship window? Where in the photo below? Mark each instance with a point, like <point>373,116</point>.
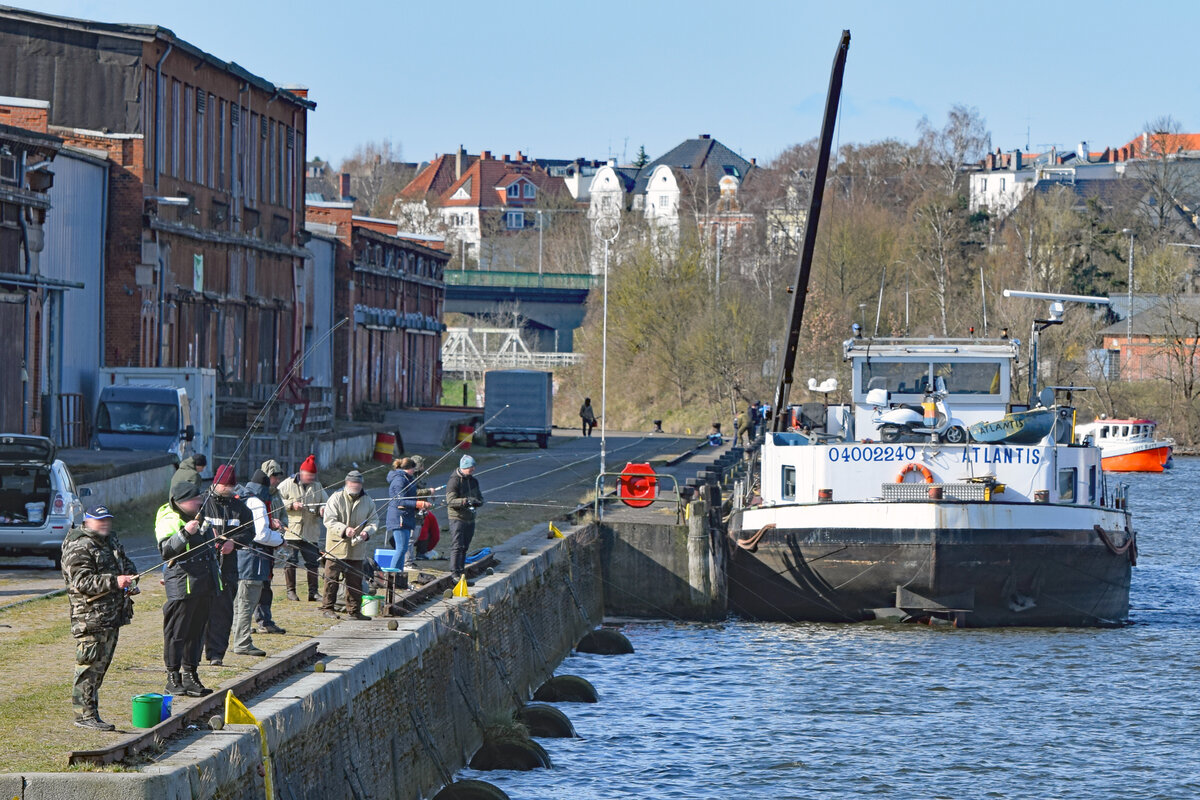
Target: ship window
<point>1104,432</point>
<point>1124,430</point>
<point>1092,485</point>
<point>789,483</point>
<point>898,377</point>
<point>1066,485</point>
<point>970,378</point>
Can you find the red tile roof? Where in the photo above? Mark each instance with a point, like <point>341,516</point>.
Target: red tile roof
<point>435,178</point>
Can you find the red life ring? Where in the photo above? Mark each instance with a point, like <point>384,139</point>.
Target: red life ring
<point>924,470</point>
<point>637,486</point>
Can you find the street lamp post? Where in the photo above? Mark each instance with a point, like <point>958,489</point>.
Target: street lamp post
<point>539,216</point>
<point>1129,294</point>
<point>607,228</point>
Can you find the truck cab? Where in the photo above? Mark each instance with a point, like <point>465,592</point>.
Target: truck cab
<point>144,418</point>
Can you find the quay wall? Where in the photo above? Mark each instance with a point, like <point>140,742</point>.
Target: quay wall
<point>395,712</point>
<point>129,483</point>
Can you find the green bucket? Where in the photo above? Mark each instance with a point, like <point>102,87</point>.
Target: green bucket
<point>147,710</point>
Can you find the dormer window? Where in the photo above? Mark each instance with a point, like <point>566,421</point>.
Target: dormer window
<point>530,191</point>
<point>514,191</point>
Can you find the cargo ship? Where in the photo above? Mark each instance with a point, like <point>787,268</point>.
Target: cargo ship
<point>931,494</point>
<point>851,522</point>
<point>1129,445</point>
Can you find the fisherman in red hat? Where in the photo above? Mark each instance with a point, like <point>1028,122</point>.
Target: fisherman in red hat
<point>304,501</point>
<point>233,527</point>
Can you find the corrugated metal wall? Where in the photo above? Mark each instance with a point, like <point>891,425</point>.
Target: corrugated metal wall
<point>318,278</point>
<point>74,251</point>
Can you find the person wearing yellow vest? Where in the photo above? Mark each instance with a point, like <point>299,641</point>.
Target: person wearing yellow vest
<point>192,578</point>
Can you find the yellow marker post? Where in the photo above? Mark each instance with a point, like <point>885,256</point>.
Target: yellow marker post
<point>461,590</point>
<point>556,532</point>
<point>237,714</point>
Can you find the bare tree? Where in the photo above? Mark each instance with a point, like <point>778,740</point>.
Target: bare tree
<point>963,139</point>
<point>1170,174</point>
<point>377,174</point>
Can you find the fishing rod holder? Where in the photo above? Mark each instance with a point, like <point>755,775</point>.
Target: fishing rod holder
<point>641,501</point>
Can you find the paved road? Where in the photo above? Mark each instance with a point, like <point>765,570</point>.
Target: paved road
<point>540,483</point>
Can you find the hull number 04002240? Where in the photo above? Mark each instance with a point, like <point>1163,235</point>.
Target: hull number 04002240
<point>884,452</point>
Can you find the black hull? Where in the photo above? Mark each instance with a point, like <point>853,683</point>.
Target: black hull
<point>988,578</point>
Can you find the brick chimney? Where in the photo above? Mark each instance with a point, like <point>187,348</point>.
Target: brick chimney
<point>298,90</point>
<point>1016,160</point>
<point>344,185</point>
<point>460,156</point>
<point>990,163</point>
<point>520,157</point>
<point>705,136</point>
<point>486,155</point>
<point>506,158</point>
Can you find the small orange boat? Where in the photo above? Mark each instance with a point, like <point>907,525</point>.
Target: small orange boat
<point>1128,445</point>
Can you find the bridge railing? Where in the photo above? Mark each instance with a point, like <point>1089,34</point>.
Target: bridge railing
<point>523,280</point>
<point>459,362</point>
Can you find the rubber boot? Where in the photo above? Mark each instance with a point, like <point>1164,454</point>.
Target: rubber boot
<point>312,587</point>
<point>174,684</point>
<point>192,686</point>
<point>289,578</point>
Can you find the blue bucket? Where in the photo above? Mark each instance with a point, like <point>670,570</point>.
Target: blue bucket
<point>166,706</point>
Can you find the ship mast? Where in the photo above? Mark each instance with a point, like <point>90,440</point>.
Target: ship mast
<point>800,288</point>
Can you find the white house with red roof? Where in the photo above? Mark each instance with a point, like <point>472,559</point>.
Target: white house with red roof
<point>483,202</point>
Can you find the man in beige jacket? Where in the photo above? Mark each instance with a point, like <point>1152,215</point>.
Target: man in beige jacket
<point>350,520</point>
<point>304,501</point>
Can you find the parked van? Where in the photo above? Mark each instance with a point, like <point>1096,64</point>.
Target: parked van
<point>145,418</point>
<point>38,498</point>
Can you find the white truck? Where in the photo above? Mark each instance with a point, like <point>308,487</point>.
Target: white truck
<point>165,409</point>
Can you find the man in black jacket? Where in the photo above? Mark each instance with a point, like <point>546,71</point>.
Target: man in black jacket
<point>233,527</point>
<point>462,498</point>
<point>192,577</point>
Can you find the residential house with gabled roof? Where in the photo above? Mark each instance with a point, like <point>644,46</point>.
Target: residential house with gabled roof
<point>701,177</point>
<point>485,204</point>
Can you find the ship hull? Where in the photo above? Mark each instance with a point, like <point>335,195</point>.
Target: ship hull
<point>1151,458</point>
<point>972,576</point>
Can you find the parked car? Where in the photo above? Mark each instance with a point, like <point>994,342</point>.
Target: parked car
<point>38,498</point>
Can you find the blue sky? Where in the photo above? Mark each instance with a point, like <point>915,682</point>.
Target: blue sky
<point>561,79</point>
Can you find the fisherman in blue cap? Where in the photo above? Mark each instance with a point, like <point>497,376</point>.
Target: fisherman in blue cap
<point>100,579</point>
<point>462,498</point>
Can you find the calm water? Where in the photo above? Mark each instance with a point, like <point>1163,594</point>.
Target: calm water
<point>798,711</point>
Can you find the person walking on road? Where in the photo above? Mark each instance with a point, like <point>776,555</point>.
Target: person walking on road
<point>588,416</point>
<point>192,577</point>
<point>100,579</point>
<point>264,484</point>
<point>233,527</point>
<point>462,498</point>
<point>304,500</point>
<point>403,506</point>
<point>253,567</point>
<point>349,523</point>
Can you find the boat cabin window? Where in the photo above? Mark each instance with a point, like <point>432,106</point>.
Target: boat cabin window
<point>898,377</point>
<point>1066,485</point>
<point>975,377</point>
<point>916,377</point>
<point>1092,485</point>
<point>1124,430</point>
<point>788,489</point>
<point>1103,431</point>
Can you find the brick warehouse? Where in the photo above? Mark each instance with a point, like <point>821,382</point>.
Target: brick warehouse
<point>392,290</point>
<point>204,264</point>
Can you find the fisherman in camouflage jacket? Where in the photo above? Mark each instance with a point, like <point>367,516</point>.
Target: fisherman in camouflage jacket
<point>100,579</point>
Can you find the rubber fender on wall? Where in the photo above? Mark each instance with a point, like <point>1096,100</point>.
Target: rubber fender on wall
<point>566,689</point>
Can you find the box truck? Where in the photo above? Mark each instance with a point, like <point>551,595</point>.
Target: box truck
<point>163,409</point>
<point>528,395</point>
